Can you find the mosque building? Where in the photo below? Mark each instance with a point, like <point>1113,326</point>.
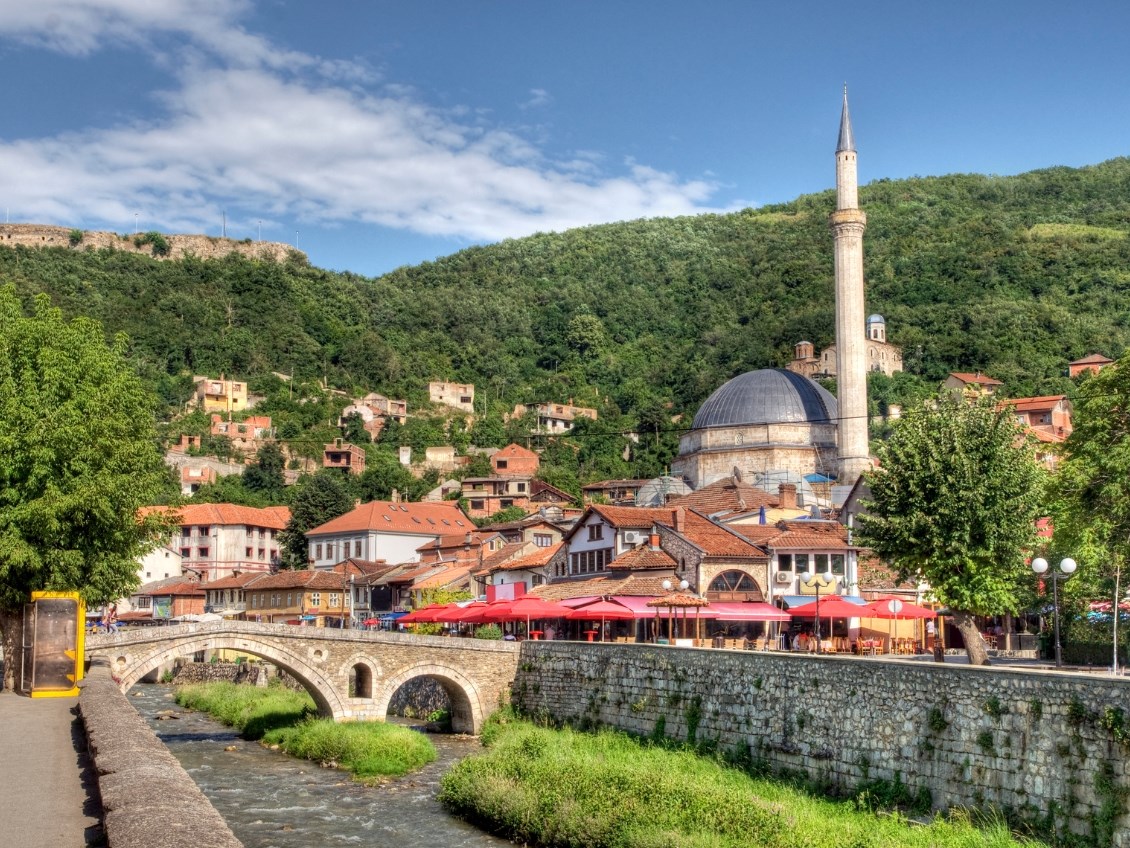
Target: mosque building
<point>776,425</point>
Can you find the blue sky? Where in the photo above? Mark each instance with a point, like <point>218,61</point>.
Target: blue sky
<point>379,134</point>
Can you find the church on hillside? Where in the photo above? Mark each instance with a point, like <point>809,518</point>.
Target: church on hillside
<point>882,356</point>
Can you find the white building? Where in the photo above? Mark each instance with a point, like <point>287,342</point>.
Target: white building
<point>382,530</point>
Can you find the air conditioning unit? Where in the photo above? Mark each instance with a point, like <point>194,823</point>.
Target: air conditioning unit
<point>783,578</point>
<point>633,537</point>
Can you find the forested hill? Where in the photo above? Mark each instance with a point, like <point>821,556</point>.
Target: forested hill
<point>1013,276</point>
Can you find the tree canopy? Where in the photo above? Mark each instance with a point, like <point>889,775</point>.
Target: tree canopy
<point>1091,487</point>
<point>78,460</point>
<point>322,498</point>
<point>954,503</point>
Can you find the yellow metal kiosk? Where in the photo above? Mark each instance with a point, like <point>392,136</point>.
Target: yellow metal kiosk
<point>53,644</point>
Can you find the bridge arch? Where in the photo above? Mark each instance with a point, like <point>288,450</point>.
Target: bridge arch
<point>467,709</point>
<point>131,663</point>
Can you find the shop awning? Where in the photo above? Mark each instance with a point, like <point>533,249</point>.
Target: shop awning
<point>638,604</point>
<point>743,611</point>
<point>801,600</point>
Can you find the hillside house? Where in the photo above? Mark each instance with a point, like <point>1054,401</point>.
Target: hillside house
<point>221,395</point>
<point>1091,364</point>
<point>460,396</point>
<point>227,596</point>
<point>341,454</point>
<point>246,436</point>
<point>554,417</point>
<point>971,386</point>
<point>515,461</point>
<point>1050,414</point>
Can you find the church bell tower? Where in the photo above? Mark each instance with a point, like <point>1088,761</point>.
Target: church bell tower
<point>848,223</point>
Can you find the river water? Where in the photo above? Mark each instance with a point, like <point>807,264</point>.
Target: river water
<point>271,800</point>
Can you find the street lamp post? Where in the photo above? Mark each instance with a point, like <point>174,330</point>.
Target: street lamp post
<point>827,577</point>
<point>1066,569</point>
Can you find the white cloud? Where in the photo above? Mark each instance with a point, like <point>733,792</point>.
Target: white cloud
<point>278,133</point>
<point>538,97</point>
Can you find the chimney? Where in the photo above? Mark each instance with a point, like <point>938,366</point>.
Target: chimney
<point>680,519</point>
<point>786,496</point>
<point>653,541</point>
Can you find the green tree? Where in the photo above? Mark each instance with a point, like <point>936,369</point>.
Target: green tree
<point>1091,487</point>
<point>265,475</point>
<point>323,497</point>
<point>78,459</point>
<point>954,502</point>
<point>353,429</point>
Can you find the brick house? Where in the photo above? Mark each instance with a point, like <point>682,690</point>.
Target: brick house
<point>221,395</point>
<point>341,454</point>
<point>1092,364</point>
<point>971,385</point>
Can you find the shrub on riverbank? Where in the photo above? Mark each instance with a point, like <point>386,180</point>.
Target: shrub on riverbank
<point>249,709</point>
<point>565,788</point>
<point>281,717</point>
<point>367,749</point>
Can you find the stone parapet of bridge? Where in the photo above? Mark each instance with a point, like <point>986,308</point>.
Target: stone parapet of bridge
<point>351,674</point>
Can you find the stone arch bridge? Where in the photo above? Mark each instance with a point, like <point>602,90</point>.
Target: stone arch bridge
<point>475,673</point>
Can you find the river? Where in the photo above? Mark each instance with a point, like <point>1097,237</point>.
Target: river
<point>271,800</point>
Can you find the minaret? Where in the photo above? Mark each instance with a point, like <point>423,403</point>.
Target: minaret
<point>848,223</point>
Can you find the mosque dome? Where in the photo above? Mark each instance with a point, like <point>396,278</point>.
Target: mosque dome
<point>768,396</point>
<point>876,318</point>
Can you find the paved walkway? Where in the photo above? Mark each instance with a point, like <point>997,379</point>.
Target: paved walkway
<point>48,789</point>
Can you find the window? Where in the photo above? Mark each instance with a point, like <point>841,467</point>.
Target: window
<point>543,540</point>
<point>784,562</point>
<point>289,599</point>
<point>477,504</point>
<point>500,464</point>
<point>318,551</point>
<point>148,574</point>
<point>185,553</point>
<point>247,552</point>
<point>596,531</point>
<point>521,487</point>
<point>838,564</point>
<point>315,599</point>
<point>262,553</point>
<point>335,600</point>
<point>506,503</point>
<point>144,602</point>
<point>356,547</point>
<point>204,530</point>
<point>250,530</point>
<point>185,532</point>
<point>202,552</point>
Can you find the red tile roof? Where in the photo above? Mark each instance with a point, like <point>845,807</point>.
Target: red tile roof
<point>443,577</point>
<point>237,581</point>
<point>978,378</point>
<point>643,558</point>
<point>203,514</point>
<point>1032,404</point>
<point>185,588</point>
<point>513,450</point>
<point>633,516</point>
<point>383,516</point>
<point>306,579</point>
<point>725,496</point>
<point>537,559</point>
<point>647,586</point>
<point>797,535</point>
<point>1092,359</point>
<point>716,540</point>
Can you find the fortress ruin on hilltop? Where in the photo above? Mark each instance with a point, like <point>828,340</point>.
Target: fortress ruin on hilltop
<point>162,247</point>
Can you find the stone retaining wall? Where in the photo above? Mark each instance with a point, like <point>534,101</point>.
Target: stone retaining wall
<point>254,674</point>
<point>1040,745</point>
<point>148,800</point>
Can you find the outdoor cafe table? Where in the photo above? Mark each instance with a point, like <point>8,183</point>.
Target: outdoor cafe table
<point>535,634</point>
<point>589,634</point>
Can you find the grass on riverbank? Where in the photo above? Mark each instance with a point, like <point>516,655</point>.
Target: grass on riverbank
<point>284,718</point>
<point>607,790</point>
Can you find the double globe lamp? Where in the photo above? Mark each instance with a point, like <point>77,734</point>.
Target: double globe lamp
<point>827,578</point>
<point>1066,569</point>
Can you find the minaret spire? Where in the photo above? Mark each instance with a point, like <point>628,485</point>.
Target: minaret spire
<point>847,141</point>
<point>848,223</point>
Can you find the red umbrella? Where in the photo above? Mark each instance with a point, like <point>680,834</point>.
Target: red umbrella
<point>456,613</point>
<point>895,608</point>
<point>603,610</point>
<point>424,614</point>
<point>833,606</point>
<point>527,607</point>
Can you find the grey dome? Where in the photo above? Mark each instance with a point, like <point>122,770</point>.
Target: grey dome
<point>876,318</point>
<point>768,396</point>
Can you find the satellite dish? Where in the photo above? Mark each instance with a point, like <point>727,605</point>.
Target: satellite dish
<point>737,474</point>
